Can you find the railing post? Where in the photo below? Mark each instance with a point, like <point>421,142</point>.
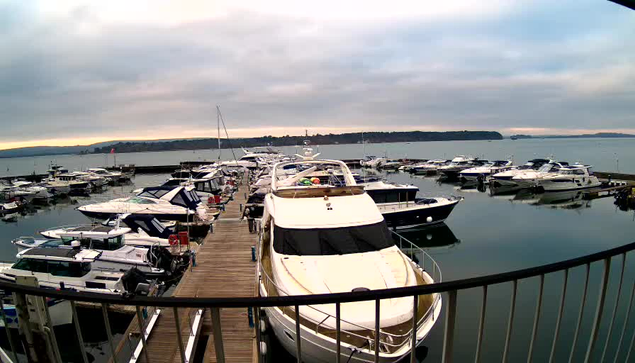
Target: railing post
<point>415,305</point>
<point>218,335</point>
<point>177,322</point>
<point>510,323</point>
<point>617,303</point>
<point>481,326</point>
<point>534,331</point>
<point>142,330</point>
<point>560,311</point>
<point>581,313</point>
<point>298,338</point>
<point>598,312</point>
<point>377,326</point>
<point>338,338</point>
<point>78,331</point>
<point>628,317</point>
<point>448,338</point>
<point>104,311</point>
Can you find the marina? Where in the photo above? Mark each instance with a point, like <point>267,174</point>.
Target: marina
<point>225,265</point>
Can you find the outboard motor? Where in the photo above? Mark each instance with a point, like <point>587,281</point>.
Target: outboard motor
<point>135,281</point>
<point>160,257</point>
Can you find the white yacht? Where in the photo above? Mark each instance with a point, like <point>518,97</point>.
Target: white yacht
<point>78,185</point>
<point>504,178</point>
<point>57,188</point>
<point>65,268</point>
<point>429,167</point>
<point>111,176</point>
<point>140,230</point>
<point>38,193</point>
<point>252,157</point>
<point>529,178</point>
<point>114,255</point>
<point>323,234</point>
<point>573,177</point>
<point>458,164</point>
<point>165,203</point>
<point>372,162</point>
<point>485,171</point>
<point>401,208</point>
<point>10,207</point>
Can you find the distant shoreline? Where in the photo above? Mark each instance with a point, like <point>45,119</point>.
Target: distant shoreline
<point>236,143</point>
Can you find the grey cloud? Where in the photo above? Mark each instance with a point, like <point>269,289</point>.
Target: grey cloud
<point>74,77</point>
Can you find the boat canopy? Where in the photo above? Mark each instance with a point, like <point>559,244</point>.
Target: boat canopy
<point>148,223</point>
<point>182,196</point>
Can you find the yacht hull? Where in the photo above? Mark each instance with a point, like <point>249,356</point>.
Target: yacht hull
<point>416,215</point>
<point>318,348</point>
<point>563,185</point>
<point>159,216</point>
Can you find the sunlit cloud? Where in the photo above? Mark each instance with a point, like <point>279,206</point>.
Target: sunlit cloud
<point>79,71</point>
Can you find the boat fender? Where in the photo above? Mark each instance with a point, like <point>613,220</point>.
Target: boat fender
<point>429,219</point>
<point>263,348</point>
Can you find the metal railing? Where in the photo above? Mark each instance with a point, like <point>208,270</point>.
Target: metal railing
<point>609,336</point>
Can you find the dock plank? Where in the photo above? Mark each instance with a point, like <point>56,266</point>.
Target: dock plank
<point>224,268</point>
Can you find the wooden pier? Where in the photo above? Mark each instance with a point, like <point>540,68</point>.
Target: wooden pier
<point>224,268</point>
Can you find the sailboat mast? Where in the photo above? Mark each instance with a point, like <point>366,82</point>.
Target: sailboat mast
<point>218,126</point>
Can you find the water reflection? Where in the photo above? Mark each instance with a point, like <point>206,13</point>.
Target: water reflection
<point>437,235</point>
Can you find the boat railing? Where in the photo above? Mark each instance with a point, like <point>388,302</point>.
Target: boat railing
<point>267,280</point>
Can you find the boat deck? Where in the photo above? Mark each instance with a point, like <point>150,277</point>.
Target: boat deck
<point>223,269</point>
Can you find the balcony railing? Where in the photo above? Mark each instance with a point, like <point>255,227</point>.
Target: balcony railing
<point>607,335</point>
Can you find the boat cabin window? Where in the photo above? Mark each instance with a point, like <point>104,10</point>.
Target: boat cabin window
<point>154,193</point>
<point>332,241</point>
<point>203,186</point>
<point>68,269</point>
<point>136,200</point>
<point>55,268</point>
<point>109,244</point>
<point>31,265</point>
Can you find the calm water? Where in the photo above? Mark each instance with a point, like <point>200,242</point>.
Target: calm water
<point>485,234</point>
<point>604,154</point>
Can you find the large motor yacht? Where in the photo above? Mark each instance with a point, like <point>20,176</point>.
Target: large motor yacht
<point>504,178</point>
<point>65,268</point>
<point>576,176</point>
<point>321,233</point>
<point>429,167</point>
<point>529,178</point>
<point>485,171</point>
<point>457,165</point>
<point>165,203</point>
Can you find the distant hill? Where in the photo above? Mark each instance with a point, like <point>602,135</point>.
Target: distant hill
<point>317,139</point>
<point>42,150</point>
<point>582,136</point>
<point>62,150</point>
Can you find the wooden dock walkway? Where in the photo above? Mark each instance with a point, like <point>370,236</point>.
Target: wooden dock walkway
<point>223,269</point>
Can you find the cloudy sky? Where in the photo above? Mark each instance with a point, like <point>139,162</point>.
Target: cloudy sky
<point>74,72</point>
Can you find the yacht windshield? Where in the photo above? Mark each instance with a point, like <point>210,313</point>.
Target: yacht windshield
<point>546,168</point>
<point>137,200</point>
<point>332,241</point>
